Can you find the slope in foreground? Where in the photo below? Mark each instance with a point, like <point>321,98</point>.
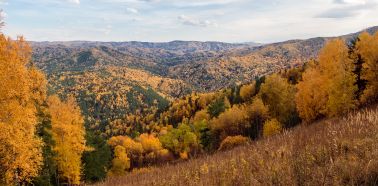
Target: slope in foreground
<point>338,151</point>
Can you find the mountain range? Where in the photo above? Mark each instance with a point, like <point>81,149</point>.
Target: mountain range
<point>111,79</point>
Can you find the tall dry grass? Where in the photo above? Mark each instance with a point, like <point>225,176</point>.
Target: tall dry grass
<point>339,151</point>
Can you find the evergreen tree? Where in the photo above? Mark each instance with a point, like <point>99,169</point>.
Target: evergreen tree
<point>96,162</point>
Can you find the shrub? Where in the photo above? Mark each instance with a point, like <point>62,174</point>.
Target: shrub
<point>180,140</point>
<point>233,141</point>
<point>272,127</point>
<point>150,143</point>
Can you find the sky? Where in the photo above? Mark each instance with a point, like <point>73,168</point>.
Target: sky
<point>261,21</point>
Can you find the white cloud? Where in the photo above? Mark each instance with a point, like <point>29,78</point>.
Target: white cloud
<point>159,20</point>
<point>180,3</point>
<point>74,1</point>
<point>348,8</point>
<point>186,20</point>
<point>132,10</point>
<point>350,1</point>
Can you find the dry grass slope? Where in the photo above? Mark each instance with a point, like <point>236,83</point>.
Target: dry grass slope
<point>340,151</point>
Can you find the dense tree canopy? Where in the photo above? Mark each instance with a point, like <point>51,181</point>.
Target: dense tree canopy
<point>367,48</point>
<point>328,86</point>
<point>22,88</point>
<point>278,94</point>
<point>69,136</point>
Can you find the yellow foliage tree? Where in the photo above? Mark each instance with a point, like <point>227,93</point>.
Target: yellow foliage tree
<point>180,141</point>
<point>311,99</point>
<point>278,95</point>
<point>201,115</point>
<point>205,99</point>
<point>68,134</point>
<point>367,47</point>
<point>120,163</point>
<point>150,143</point>
<point>234,121</point>
<point>133,148</point>
<point>328,87</point>
<point>22,88</point>
<point>247,91</point>
<point>258,113</point>
<point>272,127</point>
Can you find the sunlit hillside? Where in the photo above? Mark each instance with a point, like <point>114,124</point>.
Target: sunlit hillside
<point>336,151</point>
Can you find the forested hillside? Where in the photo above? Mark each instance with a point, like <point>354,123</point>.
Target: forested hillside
<point>112,80</point>
<point>341,79</point>
<point>338,151</point>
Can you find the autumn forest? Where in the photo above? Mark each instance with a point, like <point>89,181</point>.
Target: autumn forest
<point>219,114</point>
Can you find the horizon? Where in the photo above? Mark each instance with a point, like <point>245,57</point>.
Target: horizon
<point>176,40</point>
<point>229,21</point>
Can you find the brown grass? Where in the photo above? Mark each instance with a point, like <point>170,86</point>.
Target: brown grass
<point>339,151</point>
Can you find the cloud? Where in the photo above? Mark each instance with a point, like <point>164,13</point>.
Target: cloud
<point>187,3</point>
<point>338,13</point>
<point>348,8</point>
<point>186,20</point>
<point>74,1</point>
<point>132,10</point>
<point>3,14</point>
<point>150,0</point>
<point>350,1</point>
<point>3,2</point>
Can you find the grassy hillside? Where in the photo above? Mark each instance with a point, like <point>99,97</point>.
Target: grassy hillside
<point>337,151</point>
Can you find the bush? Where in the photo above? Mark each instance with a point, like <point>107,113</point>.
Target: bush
<point>150,143</point>
<point>272,127</point>
<point>180,140</point>
<point>233,141</point>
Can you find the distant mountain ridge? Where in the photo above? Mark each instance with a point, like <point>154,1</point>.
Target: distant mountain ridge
<point>188,46</point>
<point>244,64</point>
<point>204,66</point>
